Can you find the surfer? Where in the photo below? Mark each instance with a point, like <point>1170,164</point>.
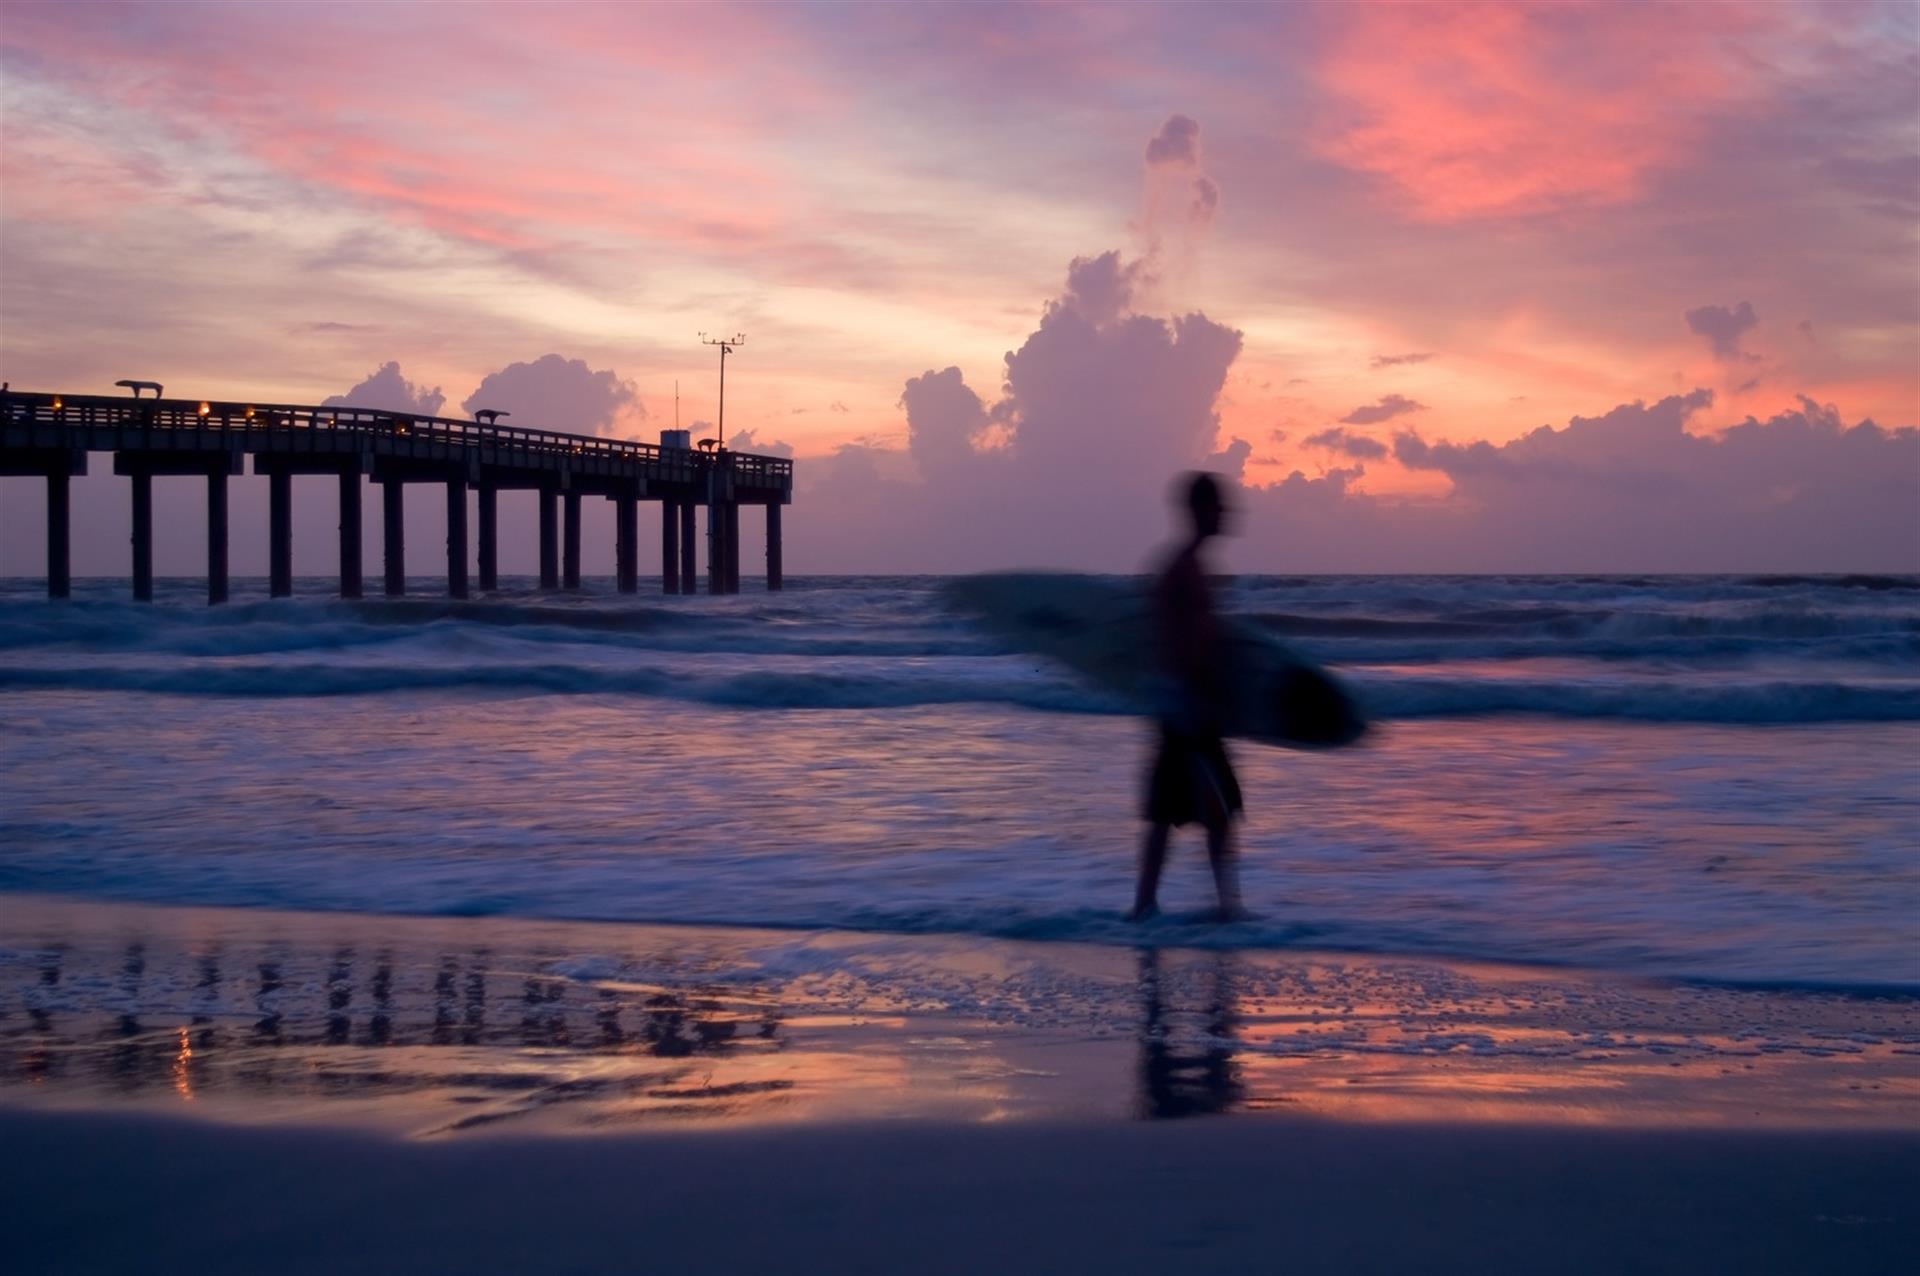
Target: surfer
<point>1191,779</point>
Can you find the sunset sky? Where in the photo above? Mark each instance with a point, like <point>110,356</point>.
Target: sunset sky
<point>1360,256</point>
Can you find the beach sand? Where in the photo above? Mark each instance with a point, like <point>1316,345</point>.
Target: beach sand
<point>114,1193</point>
<point>246,1090</point>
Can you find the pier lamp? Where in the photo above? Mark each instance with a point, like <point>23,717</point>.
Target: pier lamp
<point>206,409</point>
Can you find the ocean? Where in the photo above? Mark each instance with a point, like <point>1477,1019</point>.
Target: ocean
<point>1697,778</point>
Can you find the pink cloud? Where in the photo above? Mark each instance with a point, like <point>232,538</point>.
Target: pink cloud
<point>1473,110</point>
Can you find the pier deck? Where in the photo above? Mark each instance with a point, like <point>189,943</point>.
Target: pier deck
<point>51,436</point>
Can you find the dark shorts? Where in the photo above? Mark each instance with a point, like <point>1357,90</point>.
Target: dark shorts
<point>1184,770</point>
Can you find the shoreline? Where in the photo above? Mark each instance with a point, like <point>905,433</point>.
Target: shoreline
<point>445,1028</point>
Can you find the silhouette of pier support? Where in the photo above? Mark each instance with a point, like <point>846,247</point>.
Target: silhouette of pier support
<point>626,540</point>
<point>217,536</point>
<point>393,476</point>
<point>669,547</point>
<point>393,519</point>
<point>457,536</point>
<point>549,536</point>
<point>733,547</point>
<point>716,547</point>
<point>280,469</point>
<point>141,467</point>
<point>57,466</point>
<point>489,507</point>
<point>279,534</point>
<point>773,549</point>
<point>350,585</point>
<point>48,436</point>
<point>142,538</point>
<point>689,541</point>
<point>570,546</point>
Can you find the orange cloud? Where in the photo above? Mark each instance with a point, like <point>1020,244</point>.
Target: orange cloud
<point>1480,110</point>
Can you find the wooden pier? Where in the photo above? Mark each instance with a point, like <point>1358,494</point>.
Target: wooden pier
<point>52,435</point>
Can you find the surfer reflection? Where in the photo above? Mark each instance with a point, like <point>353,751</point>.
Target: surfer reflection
<point>1191,780</point>
<point>1177,1082</point>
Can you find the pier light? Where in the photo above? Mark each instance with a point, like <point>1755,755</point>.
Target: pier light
<point>205,408</point>
<point>59,404</point>
<point>249,413</point>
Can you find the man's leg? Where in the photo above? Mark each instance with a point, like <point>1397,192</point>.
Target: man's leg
<point>1153,857</point>
<point>1226,882</point>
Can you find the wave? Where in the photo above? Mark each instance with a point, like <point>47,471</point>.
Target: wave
<point>1389,697</point>
<point>1849,974</point>
<point>906,624</point>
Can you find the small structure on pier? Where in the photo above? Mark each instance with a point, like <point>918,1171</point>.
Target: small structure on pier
<point>52,435</point>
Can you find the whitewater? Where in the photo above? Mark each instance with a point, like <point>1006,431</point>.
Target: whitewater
<point>1705,778</point>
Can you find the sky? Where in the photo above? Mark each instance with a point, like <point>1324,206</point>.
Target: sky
<point>1444,287</point>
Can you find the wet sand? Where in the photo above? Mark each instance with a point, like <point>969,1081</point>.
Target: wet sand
<point>245,1090</point>
<point>117,1194</point>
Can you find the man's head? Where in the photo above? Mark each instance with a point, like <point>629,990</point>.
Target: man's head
<point>1206,505</point>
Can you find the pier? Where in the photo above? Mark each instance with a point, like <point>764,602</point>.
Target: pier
<point>52,436</point>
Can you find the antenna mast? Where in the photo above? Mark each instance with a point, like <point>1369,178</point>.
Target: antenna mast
<point>727,345</point>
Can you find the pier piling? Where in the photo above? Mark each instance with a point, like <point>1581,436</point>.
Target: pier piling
<point>59,533</point>
<point>216,536</point>
<point>279,533</point>
<point>394,531</point>
<point>48,437</point>
<point>733,547</point>
<point>457,536</point>
<point>142,537</point>
<point>626,541</point>
<point>570,550</point>
<point>669,547</point>
<point>489,538</point>
<point>773,548</point>
<point>350,534</point>
<point>689,579</point>
<point>549,538</point>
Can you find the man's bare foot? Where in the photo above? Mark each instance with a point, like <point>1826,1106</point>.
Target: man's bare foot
<point>1143,913</point>
<point>1227,913</point>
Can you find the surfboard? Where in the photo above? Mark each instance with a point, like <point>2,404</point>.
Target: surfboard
<point>1103,631</point>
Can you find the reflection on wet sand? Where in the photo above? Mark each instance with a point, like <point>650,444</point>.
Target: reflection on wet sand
<point>442,1026</point>
<point>1186,1068</point>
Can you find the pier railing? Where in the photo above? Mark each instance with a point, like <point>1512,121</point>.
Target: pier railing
<point>58,412</point>
<point>50,435</point>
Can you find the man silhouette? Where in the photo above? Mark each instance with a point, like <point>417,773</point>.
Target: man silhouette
<point>1191,780</point>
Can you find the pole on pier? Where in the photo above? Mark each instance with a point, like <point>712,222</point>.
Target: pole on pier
<point>279,533</point>
<point>549,538</point>
<point>669,547</point>
<point>689,543</point>
<point>394,529</point>
<point>733,547</point>
<point>457,537</point>
<point>773,546</point>
<point>570,550</point>
<point>217,536</point>
<point>143,538</point>
<point>59,531</point>
<point>626,541</point>
<point>349,534</point>
<point>489,537</point>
